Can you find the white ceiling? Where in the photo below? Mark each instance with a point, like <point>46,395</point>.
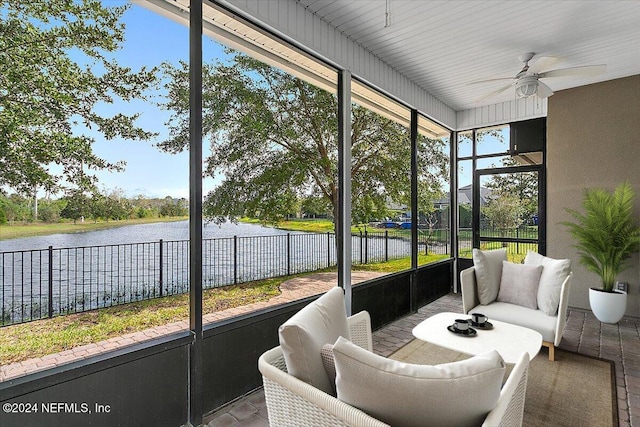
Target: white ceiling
<point>444,45</point>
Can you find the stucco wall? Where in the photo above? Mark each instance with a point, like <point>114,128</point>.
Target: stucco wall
<point>593,140</point>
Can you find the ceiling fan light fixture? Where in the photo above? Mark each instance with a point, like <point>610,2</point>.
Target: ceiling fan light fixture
<point>526,86</point>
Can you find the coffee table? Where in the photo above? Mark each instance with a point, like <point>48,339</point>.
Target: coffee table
<point>507,339</point>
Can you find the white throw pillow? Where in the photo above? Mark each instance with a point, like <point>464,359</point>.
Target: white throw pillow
<point>401,394</point>
<point>519,284</point>
<point>304,334</point>
<point>554,273</point>
<point>488,266</point>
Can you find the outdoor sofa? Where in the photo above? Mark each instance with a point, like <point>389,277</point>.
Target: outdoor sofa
<point>301,401</point>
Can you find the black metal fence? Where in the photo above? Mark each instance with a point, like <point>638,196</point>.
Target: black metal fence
<point>42,283</point>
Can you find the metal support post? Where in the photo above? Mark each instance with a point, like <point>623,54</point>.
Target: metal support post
<point>343,232</point>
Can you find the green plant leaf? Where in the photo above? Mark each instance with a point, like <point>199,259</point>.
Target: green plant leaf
<point>606,233</point>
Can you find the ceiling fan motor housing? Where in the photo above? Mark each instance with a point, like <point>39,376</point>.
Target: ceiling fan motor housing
<point>526,86</point>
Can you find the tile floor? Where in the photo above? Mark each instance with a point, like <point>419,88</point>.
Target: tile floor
<point>584,334</point>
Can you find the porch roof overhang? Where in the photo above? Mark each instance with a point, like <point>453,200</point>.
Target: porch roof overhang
<point>435,47</point>
<point>245,37</point>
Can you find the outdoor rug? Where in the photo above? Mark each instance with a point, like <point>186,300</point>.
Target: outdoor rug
<point>575,390</point>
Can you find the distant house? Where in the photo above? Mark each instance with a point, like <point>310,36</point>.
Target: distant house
<point>440,218</point>
<point>465,197</point>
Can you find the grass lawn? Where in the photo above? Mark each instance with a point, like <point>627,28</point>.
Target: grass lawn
<point>325,225</point>
<point>42,337</point>
<point>515,252</point>
<point>16,231</point>
<point>307,225</point>
<point>399,264</point>
<point>311,225</point>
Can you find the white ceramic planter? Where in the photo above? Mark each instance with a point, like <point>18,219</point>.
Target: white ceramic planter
<point>608,307</point>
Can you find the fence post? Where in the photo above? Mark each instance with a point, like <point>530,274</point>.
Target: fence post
<point>366,247</point>
<point>448,241</point>
<point>426,245</point>
<point>328,249</point>
<point>386,245</point>
<point>288,254</point>
<point>161,273</point>
<point>235,260</point>
<point>50,281</point>
<point>361,258</point>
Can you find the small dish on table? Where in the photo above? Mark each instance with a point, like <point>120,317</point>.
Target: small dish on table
<point>470,332</point>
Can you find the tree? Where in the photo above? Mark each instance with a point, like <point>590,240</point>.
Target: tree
<point>144,207</point>
<point>370,208</point>
<point>433,176</point>
<point>504,212</point>
<point>14,207</point>
<point>98,207</point>
<point>49,210</point>
<point>173,207</point>
<point>50,54</point>
<point>117,206</point>
<point>274,141</point>
<point>465,215</point>
<point>77,205</point>
<point>521,185</point>
<point>315,206</point>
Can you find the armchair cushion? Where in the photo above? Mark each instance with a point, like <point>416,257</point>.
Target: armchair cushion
<point>519,284</point>
<point>304,334</point>
<point>554,273</point>
<point>403,394</point>
<point>488,266</point>
<point>522,316</point>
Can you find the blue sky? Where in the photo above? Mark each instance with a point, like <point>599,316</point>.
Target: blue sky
<point>150,39</point>
<point>487,145</point>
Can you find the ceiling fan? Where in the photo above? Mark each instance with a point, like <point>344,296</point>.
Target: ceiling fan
<point>527,81</point>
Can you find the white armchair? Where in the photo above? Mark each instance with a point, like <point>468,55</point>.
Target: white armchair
<point>550,327</point>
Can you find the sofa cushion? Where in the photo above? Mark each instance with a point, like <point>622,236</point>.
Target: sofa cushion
<point>326,353</point>
<point>554,273</point>
<point>521,316</point>
<point>402,394</point>
<point>488,266</point>
<point>519,284</point>
<point>304,334</point>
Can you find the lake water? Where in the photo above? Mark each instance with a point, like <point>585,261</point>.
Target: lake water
<point>138,233</point>
<point>95,269</point>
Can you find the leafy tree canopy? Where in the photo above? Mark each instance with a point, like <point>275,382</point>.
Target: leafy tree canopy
<point>55,68</point>
<point>522,185</point>
<point>274,141</point>
<point>504,212</point>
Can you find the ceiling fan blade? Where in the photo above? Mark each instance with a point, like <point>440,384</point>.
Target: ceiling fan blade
<point>498,79</point>
<point>543,63</point>
<point>586,71</point>
<point>494,93</point>
<point>544,91</point>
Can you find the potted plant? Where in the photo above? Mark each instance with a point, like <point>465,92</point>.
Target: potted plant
<point>606,234</point>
